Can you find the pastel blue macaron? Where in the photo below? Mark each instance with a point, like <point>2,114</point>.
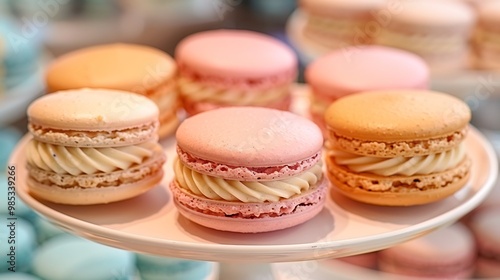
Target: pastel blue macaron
<point>18,241</point>
<point>17,276</point>
<point>163,268</point>
<point>9,137</point>
<point>67,257</point>
<point>46,230</point>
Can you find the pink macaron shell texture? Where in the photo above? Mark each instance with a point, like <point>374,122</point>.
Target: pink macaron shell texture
<point>251,143</point>
<point>245,59</point>
<point>250,217</point>
<point>362,68</point>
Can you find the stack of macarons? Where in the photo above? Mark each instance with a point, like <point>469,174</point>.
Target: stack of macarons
<point>361,68</point>
<point>134,68</point>
<point>221,68</point>
<point>248,169</point>
<point>342,23</point>
<point>397,147</point>
<point>99,146</point>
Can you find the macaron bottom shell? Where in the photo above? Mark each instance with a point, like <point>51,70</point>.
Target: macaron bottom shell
<point>90,196</point>
<point>313,202</point>
<point>450,181</point>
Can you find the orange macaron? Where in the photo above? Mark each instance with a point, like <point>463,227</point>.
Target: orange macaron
<point>397,147</point>
<point>135,68</point>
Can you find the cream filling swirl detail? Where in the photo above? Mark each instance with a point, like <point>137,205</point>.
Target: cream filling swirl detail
<point>198,92</point>
<point>406,166</point>
<point>245,191</point>
<point>76,160</point>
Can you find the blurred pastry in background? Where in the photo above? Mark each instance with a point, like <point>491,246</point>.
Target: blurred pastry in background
<point>222,68</point>
<point>135,68</point>
<point>486,228</point>
<point>20,51</point>
<point>438,31</point>
<point>446,253</point>
<point>361,68</point>
<point>341,23</point>
<point>487,37</point>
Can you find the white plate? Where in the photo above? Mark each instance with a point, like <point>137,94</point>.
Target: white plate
<point>151,224</point>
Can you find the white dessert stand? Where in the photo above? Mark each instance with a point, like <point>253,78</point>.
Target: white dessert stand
<point>151,224</point>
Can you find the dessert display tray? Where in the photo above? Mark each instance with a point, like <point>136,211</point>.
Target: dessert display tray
<point>150,223</point>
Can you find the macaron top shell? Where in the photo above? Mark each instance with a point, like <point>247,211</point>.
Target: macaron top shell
<point>115,66</point>
<point>250,137</point>
<point>397,115</point>
<point>235,54</point>
<point>343,8</point>
<point>430,13</point>
<point>92,110</point>
<point>356,69</point>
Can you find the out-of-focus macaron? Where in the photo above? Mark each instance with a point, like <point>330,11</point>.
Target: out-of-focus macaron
<point>8,140</point>
<point>342,23</point>
<point>361,68</point>
<point>366,260</point>
<point>420,27</point>
<point>487,37</point>
<point>222,68</point>
<point>80,259</point>
<point>446,253</point>
<point>46,230</point>
<point>486,228</point>
<point>161,268</point>
<point>398,147</point>
<point>128,67</point>
<point>17,276</point>
<point>18,243</point>
<point>248,169</point>
<point>99,146</point>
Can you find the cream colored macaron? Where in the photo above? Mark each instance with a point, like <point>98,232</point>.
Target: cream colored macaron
<point>93,146</point>
<point>397,147</point>
<point>129,67</point>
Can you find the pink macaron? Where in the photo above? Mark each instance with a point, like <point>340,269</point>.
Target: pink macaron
<point>362,68</point>
<point>222,68</point>
<point>248,169</point>
<point>486,228</point>
<point>446,253</point>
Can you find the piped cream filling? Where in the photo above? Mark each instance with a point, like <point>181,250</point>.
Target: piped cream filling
<point>245,191</point>
<point>198,92</point>
<point>76,160</point>
<point>406,166</point>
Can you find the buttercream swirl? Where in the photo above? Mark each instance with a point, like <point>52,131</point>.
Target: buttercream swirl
<point>245,191</point>
<point>199,92</point>
<point>406,166</point>
<point>77,160</point>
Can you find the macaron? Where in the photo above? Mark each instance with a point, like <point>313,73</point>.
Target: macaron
<point>134,68</point>
<point>355,69</point>
<point>17,246</point>
<point>248,169</point>
<point>221,68</point>
<point>486,40</point>
<point>342,23</point>
<point>398,147</point>
<point>70,257</point>
<point>98,146</point>
<point>159,268</point>
<point>486,228</point>
<point>420,27</point>
<point>446,253</point>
